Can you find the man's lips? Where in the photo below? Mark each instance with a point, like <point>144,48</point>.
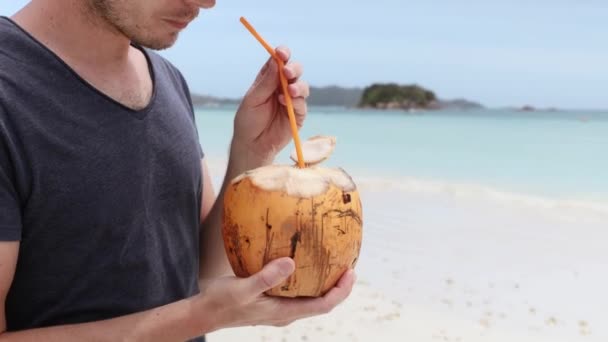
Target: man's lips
<point>178,24</point>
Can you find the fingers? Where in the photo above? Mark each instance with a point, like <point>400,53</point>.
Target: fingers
<point>339,293</point>
<point>299,89</point>
<point>265,84</point>
<point>272,275</point>
<point>310,307</point>
<point>293,71</point>
<point>245,303</point>
<point>296,90</point>
<point>299,104</point>
<point>283,53</point>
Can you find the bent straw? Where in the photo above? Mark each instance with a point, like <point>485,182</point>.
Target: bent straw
<point>290,110</point>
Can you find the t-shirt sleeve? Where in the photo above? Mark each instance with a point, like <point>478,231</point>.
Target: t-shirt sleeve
<point>10,209</point>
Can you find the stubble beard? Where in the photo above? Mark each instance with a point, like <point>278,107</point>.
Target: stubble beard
<point>108,12</point>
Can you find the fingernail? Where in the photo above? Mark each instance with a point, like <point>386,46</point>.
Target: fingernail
<point>287,72</point>
<point>293,90</point>
<point>282,53</point>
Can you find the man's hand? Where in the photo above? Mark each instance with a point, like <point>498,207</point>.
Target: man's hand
<point>261,125</point>
<point>234,302</point>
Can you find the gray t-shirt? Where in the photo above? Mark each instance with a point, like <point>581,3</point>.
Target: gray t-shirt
<point>104,200</point>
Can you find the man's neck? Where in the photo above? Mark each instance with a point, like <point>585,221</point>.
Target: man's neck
<point>74,32</point>
<point>93,48</point>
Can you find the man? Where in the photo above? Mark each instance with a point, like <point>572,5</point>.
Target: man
<point>103,184</point>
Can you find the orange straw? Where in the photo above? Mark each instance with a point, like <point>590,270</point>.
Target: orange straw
<point>290,111</point>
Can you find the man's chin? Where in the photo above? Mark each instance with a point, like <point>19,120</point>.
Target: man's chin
<point>158,44</point>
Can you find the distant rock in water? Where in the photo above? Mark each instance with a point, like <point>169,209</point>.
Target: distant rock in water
<point>211,101</point>
<point>527,108</point>
<point>459,104</point>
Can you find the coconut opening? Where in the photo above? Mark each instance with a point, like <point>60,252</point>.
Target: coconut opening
<point>296,182</point>
<point>315,149</point>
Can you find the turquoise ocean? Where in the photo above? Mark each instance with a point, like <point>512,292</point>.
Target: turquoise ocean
<point>559,155</point>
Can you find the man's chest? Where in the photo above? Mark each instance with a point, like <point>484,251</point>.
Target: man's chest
<point>129,83</point>
<point>91,158</point>
<point>132,89</point>
<point>135,95</point>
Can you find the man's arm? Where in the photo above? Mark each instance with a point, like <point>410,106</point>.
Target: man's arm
<point>262,128</point>
<point>8,263</point>
<point>173,322</point>
<point>213,259</point>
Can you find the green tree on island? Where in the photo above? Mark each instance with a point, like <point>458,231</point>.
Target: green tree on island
<point>396,96</point>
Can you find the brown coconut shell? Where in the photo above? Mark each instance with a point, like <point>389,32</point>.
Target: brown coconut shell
<point>322,234</point>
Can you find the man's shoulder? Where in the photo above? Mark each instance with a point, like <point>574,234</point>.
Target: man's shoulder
<point>8,28</point>
<point>8,60</point>
<point>18,51</point>
<point>9,42</point>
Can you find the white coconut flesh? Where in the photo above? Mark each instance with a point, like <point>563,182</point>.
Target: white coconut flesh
<point>306,183</point>
<point>315,149</point>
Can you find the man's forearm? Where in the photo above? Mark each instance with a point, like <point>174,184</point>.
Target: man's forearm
<point>213,260</point>
<point>177,321</point>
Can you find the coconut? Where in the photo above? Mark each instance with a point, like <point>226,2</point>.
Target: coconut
<point>312,215</point>
<point>317,149</point>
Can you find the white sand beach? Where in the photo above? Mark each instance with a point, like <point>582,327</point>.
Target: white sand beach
<point>459,263</point>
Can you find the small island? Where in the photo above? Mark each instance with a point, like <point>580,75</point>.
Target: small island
<point>409,97</point>
<point>395,96</point>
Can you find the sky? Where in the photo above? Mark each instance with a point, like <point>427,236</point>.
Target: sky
<point>545,53</point>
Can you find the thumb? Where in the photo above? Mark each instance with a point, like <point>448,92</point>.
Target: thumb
<point>272,275</point>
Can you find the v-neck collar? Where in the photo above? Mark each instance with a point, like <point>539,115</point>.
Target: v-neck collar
<point>138,113</point>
